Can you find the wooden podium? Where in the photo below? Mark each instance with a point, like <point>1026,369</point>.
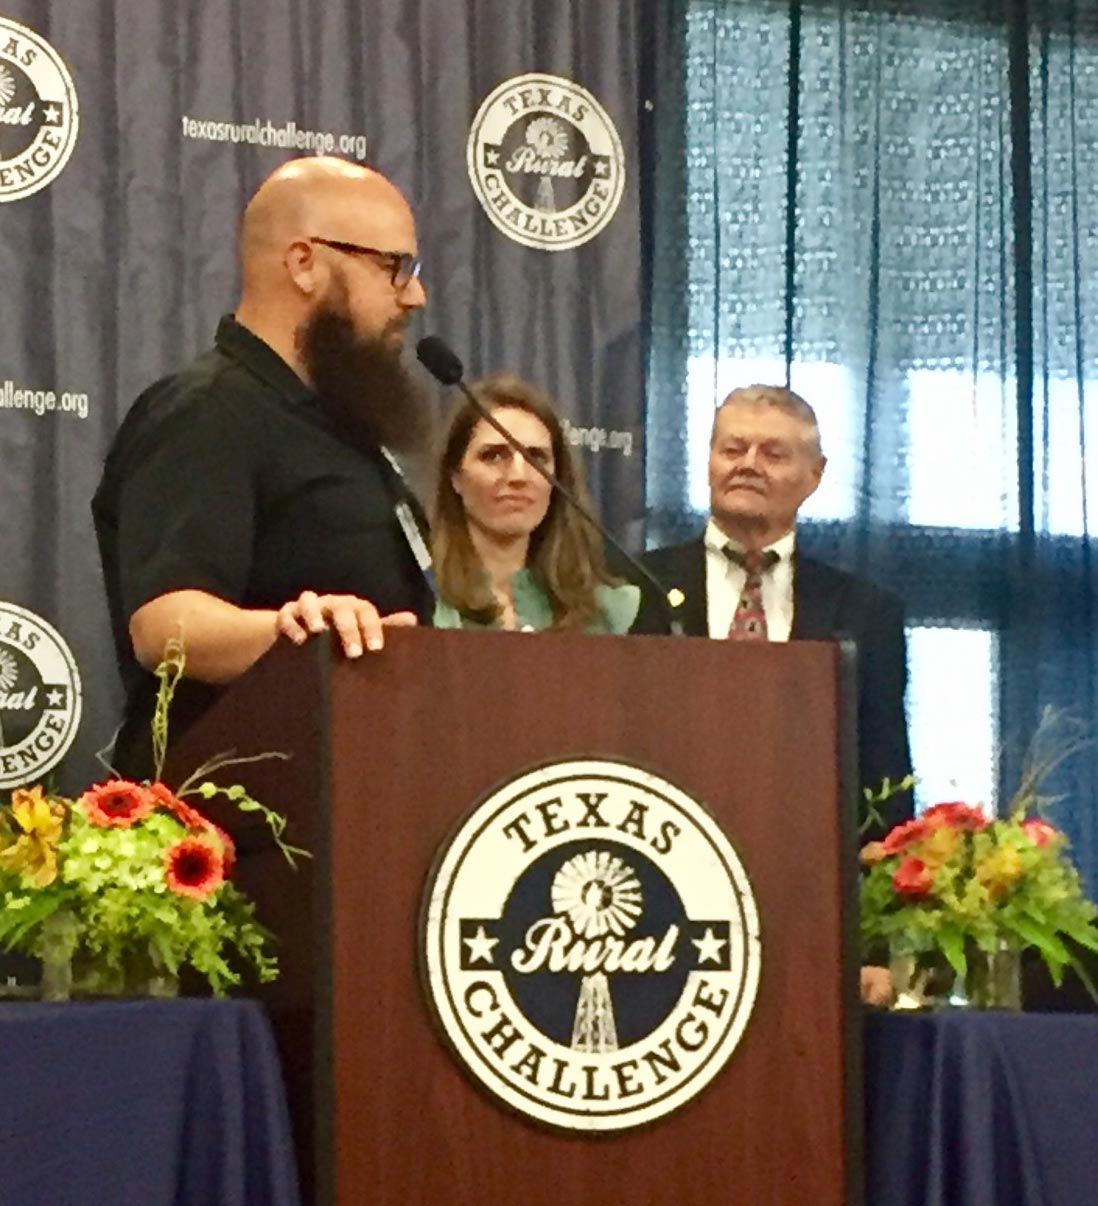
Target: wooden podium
<point>388,754</point>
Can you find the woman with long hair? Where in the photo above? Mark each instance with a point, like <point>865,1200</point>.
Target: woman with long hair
<point>508,551</point>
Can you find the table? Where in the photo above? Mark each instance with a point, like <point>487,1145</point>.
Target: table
<point>981,1109</point>
<point>142,1103</point>
<point>181,1103</point>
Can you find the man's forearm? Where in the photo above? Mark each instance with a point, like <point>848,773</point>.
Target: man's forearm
<point>220,640</point>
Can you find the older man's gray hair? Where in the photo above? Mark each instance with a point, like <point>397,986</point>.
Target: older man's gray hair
<point>779,398</point>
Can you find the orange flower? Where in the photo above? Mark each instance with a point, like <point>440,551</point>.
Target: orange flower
<point>180,809</point>
<point>899,837</point>
<point>194,867</point>
<point>1039,831</point>
<point>228,847</point>
<point>957,815</point>
<point>118,803</point>
<point>872,853</point>
<point>913,878</point>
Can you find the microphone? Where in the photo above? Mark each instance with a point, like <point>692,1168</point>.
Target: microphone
<point>440,360</point>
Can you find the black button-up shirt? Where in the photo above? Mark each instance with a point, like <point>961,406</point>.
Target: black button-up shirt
<point>227,478</point>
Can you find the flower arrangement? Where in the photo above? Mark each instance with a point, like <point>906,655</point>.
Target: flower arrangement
<point>961,885</point>
<point>130,882</point>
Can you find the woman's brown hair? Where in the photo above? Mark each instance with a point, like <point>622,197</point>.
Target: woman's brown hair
<point>565,554</point>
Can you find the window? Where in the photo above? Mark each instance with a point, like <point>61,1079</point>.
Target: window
<point>864,223</point>
<point>1065,425</point>
<point>951,706</point>
<point>962,450</point>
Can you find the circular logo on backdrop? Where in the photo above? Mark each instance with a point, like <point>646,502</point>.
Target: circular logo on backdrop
<point>39,696</point>
<point>546,162</point>
<point>39,115</point>
<point>591,945</point>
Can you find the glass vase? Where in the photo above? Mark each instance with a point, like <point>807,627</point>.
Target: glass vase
<point>924,978</point>
<point>139,974</point>
<point>921,978</point>
<point>55,950</point>
<point>994,978</point>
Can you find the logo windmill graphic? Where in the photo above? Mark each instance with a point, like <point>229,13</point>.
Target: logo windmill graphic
<point>549,141</point>
<point>9,675</point>
<point>600,894</point>
<point>7,86</point>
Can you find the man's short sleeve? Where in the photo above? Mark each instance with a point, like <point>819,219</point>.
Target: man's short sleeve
<point>187,502</point>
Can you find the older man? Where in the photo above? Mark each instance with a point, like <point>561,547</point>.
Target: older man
<point>253,495</point>
<point>745,580</point>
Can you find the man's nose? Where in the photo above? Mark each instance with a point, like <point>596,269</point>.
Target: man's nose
<point>749,457</point>
<point>414,294</point>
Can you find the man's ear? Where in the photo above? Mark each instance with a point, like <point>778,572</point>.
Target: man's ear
<point>818,466</point>
<point>304,267</point>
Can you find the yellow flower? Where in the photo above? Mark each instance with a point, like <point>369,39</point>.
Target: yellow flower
<point>29,846</point>
<point>999,871</point>
<point>36,814</point>
<point>940,845</point>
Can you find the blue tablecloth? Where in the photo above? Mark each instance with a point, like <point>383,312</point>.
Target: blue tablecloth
<point>181,1103</point>
<point>982,1109</point>
<point>142,1103</point>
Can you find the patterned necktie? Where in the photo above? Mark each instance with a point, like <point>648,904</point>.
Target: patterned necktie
<point>749,619</point>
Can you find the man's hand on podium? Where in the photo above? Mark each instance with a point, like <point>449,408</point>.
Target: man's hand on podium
<point>223,640</point>
<point>357,621</point>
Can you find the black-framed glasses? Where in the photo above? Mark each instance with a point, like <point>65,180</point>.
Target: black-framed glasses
<point>402,265</point>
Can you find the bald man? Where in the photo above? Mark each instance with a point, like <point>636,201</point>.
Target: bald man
<point>253,496</point>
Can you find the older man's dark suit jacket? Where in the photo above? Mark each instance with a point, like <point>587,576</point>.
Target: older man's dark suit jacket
<point>828,604</point>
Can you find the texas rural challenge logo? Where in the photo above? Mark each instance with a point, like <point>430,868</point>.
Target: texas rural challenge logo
<point>546,162</point>
<point>39,115</point>
<point>591,945</point>
<point>39,697</point>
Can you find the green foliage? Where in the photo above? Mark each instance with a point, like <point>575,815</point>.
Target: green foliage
<point>872,800</point>
<point>955,880</point>
<point>243,801</point>
<point>976,887</point>
<point>112,884</point>
<point>132,876</point>
<point>168,674</point>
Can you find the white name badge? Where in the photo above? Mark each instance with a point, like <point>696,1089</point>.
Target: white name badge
<point>413,535</point>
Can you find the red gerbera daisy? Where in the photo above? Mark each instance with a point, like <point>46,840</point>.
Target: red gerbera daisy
<point>180,809</point>
<point>194,867</point>
<point>117,804</point>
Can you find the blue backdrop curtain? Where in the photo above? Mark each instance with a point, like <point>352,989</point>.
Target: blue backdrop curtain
<point>115,272</point>
<point>892,207</point>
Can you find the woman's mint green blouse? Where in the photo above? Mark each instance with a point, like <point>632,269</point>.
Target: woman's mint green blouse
<point>618,606</point>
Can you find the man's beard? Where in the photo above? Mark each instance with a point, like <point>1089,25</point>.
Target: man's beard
<point>362,386</point>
